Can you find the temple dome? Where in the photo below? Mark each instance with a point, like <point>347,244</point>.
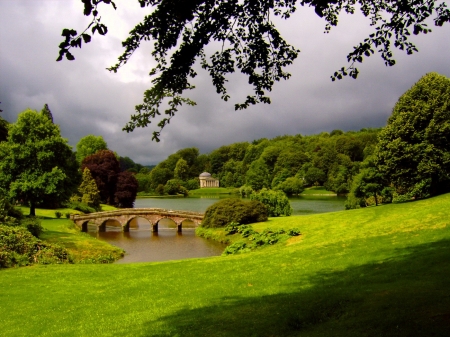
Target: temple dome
<point>205,174</point>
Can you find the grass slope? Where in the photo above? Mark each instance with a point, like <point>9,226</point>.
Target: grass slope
<point>380,271</point>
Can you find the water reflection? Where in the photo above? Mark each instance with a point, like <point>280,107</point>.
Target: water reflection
<point>143,245</point>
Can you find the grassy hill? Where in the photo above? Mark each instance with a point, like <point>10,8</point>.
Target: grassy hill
<point>380,271</point>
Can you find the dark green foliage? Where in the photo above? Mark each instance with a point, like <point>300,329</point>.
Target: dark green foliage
<point>235,210</point>
<point>46,112</point>
<point>58,214</point>
<point>173,187</point>
<point>414,147</point>
<point>160,189</point>
<point>33,225</point>
<point>254,239</point>
<point>276,202</point>
<point>18,247</point>
<point>291,186</point>
<point>3,130</point>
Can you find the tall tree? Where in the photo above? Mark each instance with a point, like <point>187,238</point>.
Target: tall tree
<point>46,112</point>
<point>249,42</point>
<point>181,170</point>
<point>414,147</point>
<point>89,145</point>
<point>34,161</point>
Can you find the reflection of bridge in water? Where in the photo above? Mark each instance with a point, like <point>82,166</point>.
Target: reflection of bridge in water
<point>125,215</point>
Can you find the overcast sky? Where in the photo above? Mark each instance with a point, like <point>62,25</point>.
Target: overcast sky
<point>86,99</point>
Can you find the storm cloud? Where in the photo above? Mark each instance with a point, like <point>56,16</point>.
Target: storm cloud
<point>86,99</point>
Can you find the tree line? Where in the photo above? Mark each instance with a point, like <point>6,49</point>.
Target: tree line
<point>407,159</point>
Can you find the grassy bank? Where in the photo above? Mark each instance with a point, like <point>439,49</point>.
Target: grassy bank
<point>380,271</point>
<point>214,190</point>
<point>83,247</point>
<point>319,190</point>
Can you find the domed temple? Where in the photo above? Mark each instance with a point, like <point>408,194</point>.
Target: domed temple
<point>206,180</point>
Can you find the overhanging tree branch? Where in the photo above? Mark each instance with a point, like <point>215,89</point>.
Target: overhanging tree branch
<point>250,43</point>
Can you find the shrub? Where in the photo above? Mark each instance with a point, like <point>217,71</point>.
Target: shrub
<point>67,215</point>
<point>18,247</point>
<point>79,206</point>
<point>236,210</point>
<point>277,202</point>
<point>267,237</point>
<point>58,214</point>
<point>33,226</point>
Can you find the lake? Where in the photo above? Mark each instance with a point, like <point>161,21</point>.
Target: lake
<point>142,245</point>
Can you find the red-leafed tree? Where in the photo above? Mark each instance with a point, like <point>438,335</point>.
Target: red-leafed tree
<point>105,169</point>
<point>126,189</point>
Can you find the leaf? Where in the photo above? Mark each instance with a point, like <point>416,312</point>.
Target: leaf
<point>69,56</point>
<point>86,38</point>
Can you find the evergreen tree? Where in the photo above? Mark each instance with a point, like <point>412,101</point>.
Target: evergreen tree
<point>90,195</point>
<point>46,112</point>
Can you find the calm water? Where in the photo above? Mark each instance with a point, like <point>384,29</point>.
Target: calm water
<point>301,205</point>
<point>141,245</point>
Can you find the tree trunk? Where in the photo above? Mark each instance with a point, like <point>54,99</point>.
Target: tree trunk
<point>32,209</point>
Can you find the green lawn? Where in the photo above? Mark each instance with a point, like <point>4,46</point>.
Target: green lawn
<point>380,271</point>
<point>214,190</point>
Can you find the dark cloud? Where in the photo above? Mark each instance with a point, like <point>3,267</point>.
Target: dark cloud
<point>87,99</point>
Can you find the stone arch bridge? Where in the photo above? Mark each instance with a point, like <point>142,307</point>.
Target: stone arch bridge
<point>125,215</point>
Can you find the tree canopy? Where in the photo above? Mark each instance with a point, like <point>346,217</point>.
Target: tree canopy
<point>248,42</point>
<point>36,162</point>
<point>414,148</point>
<point>89,145</point>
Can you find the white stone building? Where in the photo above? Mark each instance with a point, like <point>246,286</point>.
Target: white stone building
<point>206,180</point>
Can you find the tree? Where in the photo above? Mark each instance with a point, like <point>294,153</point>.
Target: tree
<point>181,169</point>
<point>276,202</point>
<point>90,195</point>
<point>126,190</point>
<point>291,186</point>
<point>3,130</point>
<point>257,175</point>
<point>35,161</point>
<point>249,40</point>
<point>414,148</point>
<point>105,169</point>
<point>235,210</point>
<point>46,112</point>
<point>89,145</point>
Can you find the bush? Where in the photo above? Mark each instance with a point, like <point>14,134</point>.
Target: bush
<point>67,215</point>
<point>58,214</point>
<point>18,247</point>
<point>33,226</point>
<point>236,210</point>
<point>79,206</point>
<point>267,237</point>
<point>277,202</point>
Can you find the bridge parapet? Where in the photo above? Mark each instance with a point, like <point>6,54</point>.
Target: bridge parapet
<point>125,215</point>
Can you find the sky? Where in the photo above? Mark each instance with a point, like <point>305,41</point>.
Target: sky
<point>85,98</point>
